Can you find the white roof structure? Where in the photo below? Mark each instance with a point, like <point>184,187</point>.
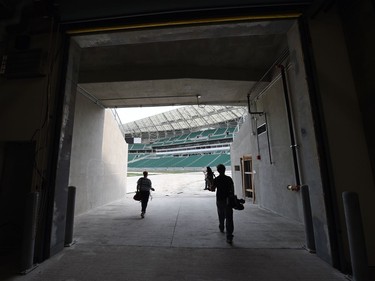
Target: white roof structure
<point>183,120</point>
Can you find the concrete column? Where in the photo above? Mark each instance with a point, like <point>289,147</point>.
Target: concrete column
<point>69,225</point>
<point>29,232</point>
<point>309,228</point>
<point>357,245</point>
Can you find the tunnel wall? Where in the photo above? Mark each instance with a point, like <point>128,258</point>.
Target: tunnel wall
<point>307,146</point>
<point>273,162</point>
<point>272,157</point>
<point>30,113</point>
<point>344,114</point>
<point>98,160</point>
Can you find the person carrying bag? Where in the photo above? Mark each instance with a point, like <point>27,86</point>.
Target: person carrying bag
<point>144,186</point>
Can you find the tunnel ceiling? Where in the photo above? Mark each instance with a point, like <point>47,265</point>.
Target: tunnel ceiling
<point>73,11</point>
<point>214,64</point>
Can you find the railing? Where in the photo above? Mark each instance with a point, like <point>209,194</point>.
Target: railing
<point>118,120</point>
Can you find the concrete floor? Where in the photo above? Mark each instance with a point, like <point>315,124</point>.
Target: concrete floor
<point>179,239</point>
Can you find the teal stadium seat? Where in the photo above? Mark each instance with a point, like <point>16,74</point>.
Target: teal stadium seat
<point>146,160</point>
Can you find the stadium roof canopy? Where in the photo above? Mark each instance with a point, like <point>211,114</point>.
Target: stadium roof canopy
<point>183,120</point>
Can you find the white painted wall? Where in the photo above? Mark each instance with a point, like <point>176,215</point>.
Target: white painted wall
<point>275,168</point>
<point>99,157</point>
<point>240,147</point>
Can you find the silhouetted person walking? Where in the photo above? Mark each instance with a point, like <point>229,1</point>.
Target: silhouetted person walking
<point>144,185</point>
<point>208,178</point>
<point>224,189</point>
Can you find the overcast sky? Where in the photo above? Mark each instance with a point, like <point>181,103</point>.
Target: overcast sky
<point>136,113</point>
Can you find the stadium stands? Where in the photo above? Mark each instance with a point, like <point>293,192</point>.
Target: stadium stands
<point>192,162</point>
<point>191,151</point>
<point>204,140</point>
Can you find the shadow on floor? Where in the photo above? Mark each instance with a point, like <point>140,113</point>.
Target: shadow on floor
<point>179,239</point>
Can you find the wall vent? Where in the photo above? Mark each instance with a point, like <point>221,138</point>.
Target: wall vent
<point>261,129</point>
